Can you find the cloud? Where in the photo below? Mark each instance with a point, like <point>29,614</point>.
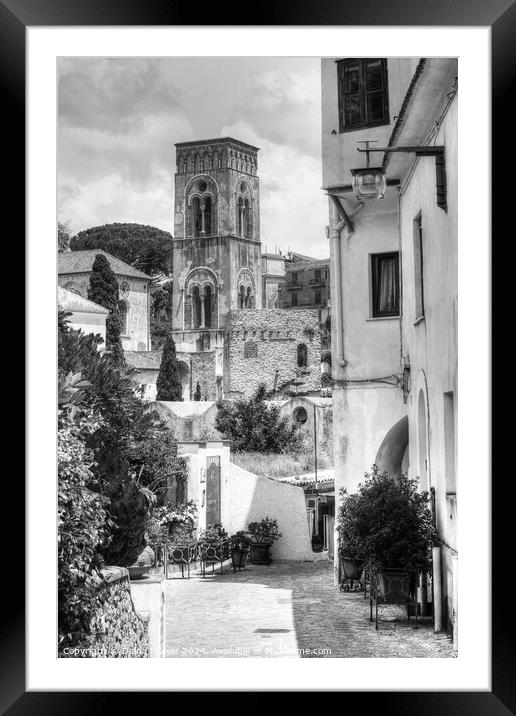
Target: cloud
<point>286,106</point>
<point>113,94</point>
<point>113,199</point>
<point>293,208</point>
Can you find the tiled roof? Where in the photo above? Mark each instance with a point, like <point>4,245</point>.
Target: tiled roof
<point>143,360</point>
<point>186,408</point>
<point>82,262</point>
<point>70,301</point>
<point>323,477</point>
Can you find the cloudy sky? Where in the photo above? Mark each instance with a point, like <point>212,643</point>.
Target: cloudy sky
<point>119,120</point>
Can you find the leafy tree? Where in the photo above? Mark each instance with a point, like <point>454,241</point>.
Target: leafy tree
<point>144,247</point>
<point>103,289</point>
<point>168,384</point>
<point>63,237</point>
<point>255,426</point>
<point>387,523</point>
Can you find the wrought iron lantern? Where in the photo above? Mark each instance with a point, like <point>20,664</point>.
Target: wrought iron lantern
<point>369,183</point>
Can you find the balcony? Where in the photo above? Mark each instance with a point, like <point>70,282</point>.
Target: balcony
<point>293,286</point>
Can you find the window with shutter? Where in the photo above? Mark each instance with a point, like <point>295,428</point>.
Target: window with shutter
<point>363,93</point>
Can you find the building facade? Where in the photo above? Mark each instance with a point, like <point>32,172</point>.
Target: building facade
<point>74,270</point>
<point>279,348</point>
<point>394,278</point>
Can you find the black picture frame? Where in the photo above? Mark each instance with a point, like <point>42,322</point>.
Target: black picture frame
<point>500,15</point>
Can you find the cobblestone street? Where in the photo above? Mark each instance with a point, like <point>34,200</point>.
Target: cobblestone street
<point>285,610</point>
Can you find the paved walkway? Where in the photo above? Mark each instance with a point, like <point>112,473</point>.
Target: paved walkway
<point>285,610</point>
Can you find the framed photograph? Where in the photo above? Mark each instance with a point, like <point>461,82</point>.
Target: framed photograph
<point>263,244</point>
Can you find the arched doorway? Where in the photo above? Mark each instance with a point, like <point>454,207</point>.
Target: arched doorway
<point>392,456</point>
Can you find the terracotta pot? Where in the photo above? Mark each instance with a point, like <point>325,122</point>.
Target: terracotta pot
<point>143,564</point>
<point>351,568</point>
<point>239,558</point>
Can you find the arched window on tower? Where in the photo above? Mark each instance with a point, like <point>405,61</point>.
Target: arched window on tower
<point>240,216</point>
<point>208,215</point>
<point>207,306</point>
<point>196,307</point>
<point>197,216</point>
<point>302,356</point>
<point>247,219</point>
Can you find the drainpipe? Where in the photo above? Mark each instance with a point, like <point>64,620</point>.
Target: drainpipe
<point>336,238</point>
<point>437,595</point>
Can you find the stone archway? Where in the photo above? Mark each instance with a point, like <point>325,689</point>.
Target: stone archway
<point>393,452</point>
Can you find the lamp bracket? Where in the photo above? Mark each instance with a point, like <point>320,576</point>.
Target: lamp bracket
<point>423,151</point>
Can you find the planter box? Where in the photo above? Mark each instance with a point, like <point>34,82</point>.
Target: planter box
<point>260,553</point>
<point>396,587</point>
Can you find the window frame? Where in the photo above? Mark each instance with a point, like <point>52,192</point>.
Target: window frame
<point>362,94</point>
<point>375,284</point>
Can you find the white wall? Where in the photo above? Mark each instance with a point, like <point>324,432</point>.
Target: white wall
<point>253,497</point>
<point>248,498</point>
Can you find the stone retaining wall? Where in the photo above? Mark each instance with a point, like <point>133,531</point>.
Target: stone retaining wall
<point>117,630</point>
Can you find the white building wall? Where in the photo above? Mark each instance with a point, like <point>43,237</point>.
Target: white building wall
<point>431,343</point>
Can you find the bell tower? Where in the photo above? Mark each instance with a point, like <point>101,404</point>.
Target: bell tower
<point>216,251</point>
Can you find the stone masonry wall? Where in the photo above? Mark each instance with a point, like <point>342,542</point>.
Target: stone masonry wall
<point>203,372</point>
<point>261,346</point>
<point>117,630</point>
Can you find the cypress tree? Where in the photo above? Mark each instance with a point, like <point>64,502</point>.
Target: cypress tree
<point>103,289</point>
<point>168,384</point>
<point>197,394</point>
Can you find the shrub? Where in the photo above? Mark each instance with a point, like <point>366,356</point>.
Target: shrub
<point>213,535</point>
<point>241,540</point>
<point>265,531</point>
<point>173,523</point>
<point>83,528</point>
<point>387,523</point>
<point>255,426</point>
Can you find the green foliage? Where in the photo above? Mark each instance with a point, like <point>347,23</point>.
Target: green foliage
<point>103,289</point>
<point>83,528</point>
<point>156,462</point>
<point>144,247</point>
<point>213,535</point>
<point>255,426</point>
<point>74,349</point>
<point>168,384</point>
<point>387,523</point>
<point>173,524</point>
<point>63,237</point>
<point>160,330</point>
<point>241,540</point>
<point>265,531</point>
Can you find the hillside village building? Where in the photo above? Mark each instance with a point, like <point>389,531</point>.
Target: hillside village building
<point>74,270</point>
<point>394,279</point>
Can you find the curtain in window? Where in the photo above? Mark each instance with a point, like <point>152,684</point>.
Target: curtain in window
<point>388,288</point>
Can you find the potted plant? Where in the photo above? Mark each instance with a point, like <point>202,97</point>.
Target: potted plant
<point>263,534</point>
<point>240,544</point>
<point>350,550</point>
<point>387,525</point>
